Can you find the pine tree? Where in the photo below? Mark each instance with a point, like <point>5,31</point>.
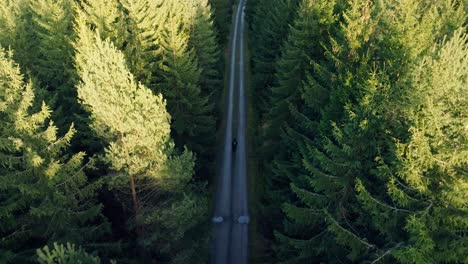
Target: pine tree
<point>45,196</point>
<point>163,48</point>
<point>140,152</point>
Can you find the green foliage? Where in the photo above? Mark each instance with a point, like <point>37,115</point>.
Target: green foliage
<point>270,26</point>
<point>135,124</point>
<point>283,135</point>
<point>160,48</point>
<point>171,48</point>
<point>223,11</point>
<point>121,108</point>
<point>68,254</point>
<point>45,196</point>
<point>433,161</point>
<point>370,159</point>
<point>191,111</point>
<point>204,40</point>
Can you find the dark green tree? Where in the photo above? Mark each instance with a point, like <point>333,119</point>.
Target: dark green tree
<point>204,41</point>
<point>270,27</point>
<point>282,137</point>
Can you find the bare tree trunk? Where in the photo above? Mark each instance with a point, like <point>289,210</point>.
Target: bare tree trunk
<point>139,229</point>
<point>134,196</point>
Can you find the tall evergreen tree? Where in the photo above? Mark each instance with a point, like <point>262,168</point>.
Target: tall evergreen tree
<point>145,21</point>
<point>270,27</point>
<point>424,177</point>
<point>170,47</point>
<point>54,64</point>
<point>222,10</point>
<point>45,196</point>
<point>192,113</point>
<point>18,18</point>
<point>281,136</point>
<point>345,212</point>
<point>107,17</point>
<point>53,67</point>
<point>204,41</point>
<point>140,152</point>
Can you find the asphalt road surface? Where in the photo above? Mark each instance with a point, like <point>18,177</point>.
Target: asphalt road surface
<point>231,214</point>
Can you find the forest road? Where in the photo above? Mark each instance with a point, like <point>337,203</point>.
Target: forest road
<point>231,214</point>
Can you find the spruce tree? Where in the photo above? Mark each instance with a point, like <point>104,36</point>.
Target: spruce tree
<point>107,17</point>
<point>348,209</point>
<point>204,41</point>
<point>429,175</point>
<point>45,195</point>
<point>270,27</point>
<point>191,110</point>
<point>53,67</point>
<point>282,137</point>
<point>145,20</point>
<point>222,11</point>
<point>8,17</point>
<point>18,18</point>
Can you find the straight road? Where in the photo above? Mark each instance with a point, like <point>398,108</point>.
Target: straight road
<point>231,214</point>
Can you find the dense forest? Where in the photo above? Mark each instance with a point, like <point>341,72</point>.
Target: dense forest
<point>363,130</point>
<point>110,111</point>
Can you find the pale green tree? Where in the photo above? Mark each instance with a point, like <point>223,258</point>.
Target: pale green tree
<point>135,125</point>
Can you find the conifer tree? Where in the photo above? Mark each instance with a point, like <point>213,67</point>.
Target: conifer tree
<point>204,41</point>
<point>145,21</point>
<point>351,189</point>
<point>281,136</point>
<point>162,45</point>
<point>192,113</point>
<point>433,163</point>
<point>107,17</point>
<point>54,65</point>
<point>222,11</point>
<point>16,32</point>
<point>8,18</point>
<point>140,152</point>
<point>68,254</point>
<point>45,196</point>
<point>270,26</point>
<point>312,21</point>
